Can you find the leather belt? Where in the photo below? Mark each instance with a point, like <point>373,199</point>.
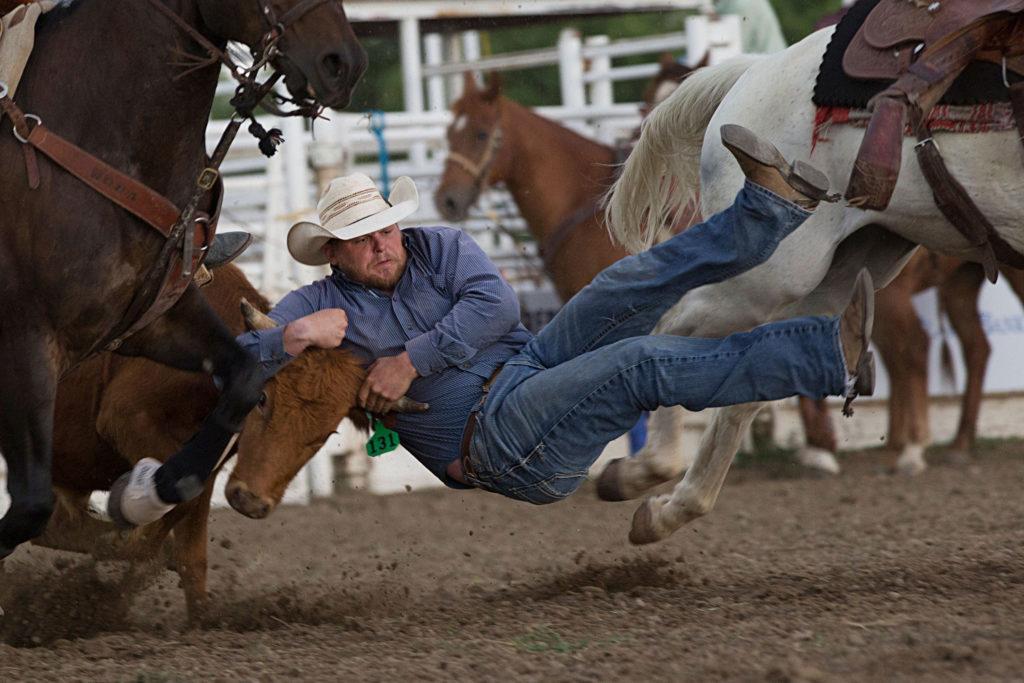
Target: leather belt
<point>467,433</point>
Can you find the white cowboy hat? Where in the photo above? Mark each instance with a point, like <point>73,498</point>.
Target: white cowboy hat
<point>351,206</point>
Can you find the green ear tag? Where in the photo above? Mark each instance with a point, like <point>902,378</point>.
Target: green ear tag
<point>383,440</point>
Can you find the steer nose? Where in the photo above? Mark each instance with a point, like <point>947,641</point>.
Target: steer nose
<point>246,502</point>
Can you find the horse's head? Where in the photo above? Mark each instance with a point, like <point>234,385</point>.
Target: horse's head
<point>317,50</point>
<point>670,74</point>
<point>476,157</point>
<point>300,407</point>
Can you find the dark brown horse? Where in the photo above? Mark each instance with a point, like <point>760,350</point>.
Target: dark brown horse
<point>72,262</point>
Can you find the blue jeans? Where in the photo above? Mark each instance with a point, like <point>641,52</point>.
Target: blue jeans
<point>585,379</point>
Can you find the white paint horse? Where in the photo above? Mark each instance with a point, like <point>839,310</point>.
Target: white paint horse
<point>813,270</point>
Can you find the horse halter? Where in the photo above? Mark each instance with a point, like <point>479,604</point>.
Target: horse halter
<point>278,25</point>
<point>478,169</point>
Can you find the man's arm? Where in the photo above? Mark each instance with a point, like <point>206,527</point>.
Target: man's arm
<point>301,324</point>
<point>486,308</point>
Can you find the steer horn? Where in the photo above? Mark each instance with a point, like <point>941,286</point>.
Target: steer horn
<point>407,405</point>
<point>254,318</point>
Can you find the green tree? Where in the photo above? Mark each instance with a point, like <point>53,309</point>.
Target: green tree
<point>382,86</point>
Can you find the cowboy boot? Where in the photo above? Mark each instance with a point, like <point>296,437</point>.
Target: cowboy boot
<point>763,164</point>
<point>226,247</point>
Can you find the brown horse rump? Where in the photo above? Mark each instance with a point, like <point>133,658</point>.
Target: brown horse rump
<point>980,83</point>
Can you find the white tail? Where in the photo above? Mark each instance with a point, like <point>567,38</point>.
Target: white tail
<point>662,174</point>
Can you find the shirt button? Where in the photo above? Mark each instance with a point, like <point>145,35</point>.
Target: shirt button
<point>465,366</point>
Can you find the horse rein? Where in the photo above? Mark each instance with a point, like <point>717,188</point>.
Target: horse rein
<point>187,233</point>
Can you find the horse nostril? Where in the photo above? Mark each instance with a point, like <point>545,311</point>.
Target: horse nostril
<point>334,66</point>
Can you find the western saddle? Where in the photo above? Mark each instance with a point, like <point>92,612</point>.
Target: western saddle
<point>922,46</point>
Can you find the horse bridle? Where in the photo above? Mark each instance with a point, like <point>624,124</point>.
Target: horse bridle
<point>183,237</point>
<point>478,170</point>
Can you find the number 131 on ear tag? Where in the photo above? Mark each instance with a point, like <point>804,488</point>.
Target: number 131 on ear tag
<point>383,440</point>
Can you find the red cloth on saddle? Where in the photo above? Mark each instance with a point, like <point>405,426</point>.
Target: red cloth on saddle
<point>979,118</point>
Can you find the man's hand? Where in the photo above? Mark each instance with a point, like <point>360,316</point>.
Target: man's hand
<point>324,329</point>
<point>387,381</point>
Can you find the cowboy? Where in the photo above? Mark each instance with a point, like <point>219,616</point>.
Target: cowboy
<point>433,318</point>
<point>525,416</point>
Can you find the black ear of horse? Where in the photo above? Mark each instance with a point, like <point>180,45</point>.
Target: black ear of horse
<point>493,85</point>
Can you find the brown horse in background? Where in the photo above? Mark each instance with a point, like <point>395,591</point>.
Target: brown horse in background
<point>556,176</point>
<point>73,263</point>
<point>903,344</point>
<point>112,411</point>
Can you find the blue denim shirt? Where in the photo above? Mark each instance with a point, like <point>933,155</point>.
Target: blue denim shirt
<point>453,313</point>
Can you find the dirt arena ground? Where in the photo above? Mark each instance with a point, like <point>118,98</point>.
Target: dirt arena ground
<point>864,577</point>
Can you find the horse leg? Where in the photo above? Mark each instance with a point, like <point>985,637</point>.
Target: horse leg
<point>819,451</point>
<point>661,459</point>
<point>191,337</point>
<point>137,430</point>
<point>28,390</point>
<point>71,527</point>
<point>190,560</point>
<point>903,345</point>
<point>881,252</point>
<point>960,299</point>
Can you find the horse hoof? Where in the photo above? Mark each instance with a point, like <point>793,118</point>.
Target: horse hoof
<point>910,468</point>
<point>609,484</point>
<point>133,498</point>
<point>911,461</point>
<point>114,502</point>
<point>645,528</point>
<point>818,459</point>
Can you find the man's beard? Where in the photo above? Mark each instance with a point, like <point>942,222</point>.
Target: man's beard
<point>386,282</point>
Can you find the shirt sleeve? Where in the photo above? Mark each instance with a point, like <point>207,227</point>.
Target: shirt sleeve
<point>485,309</point>
<point>267,346</point>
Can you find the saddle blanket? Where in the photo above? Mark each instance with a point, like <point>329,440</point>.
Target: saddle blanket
<point>980,83</point>
<point>979,118</point>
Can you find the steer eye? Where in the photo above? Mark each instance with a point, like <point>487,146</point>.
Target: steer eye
<point>482,135</point>
<point>263,399</point>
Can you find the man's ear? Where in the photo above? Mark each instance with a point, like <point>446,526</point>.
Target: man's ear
<point>327,249</point>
